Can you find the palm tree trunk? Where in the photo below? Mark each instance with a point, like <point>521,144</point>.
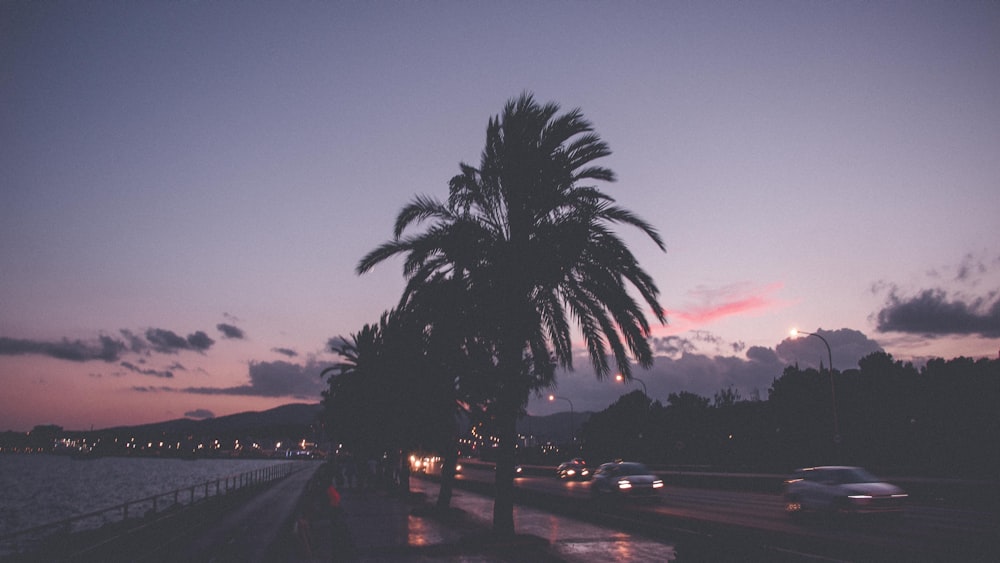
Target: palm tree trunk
<point>447,476</point>
<point>510,400</point>
<point>404,473</point>
<point>503,503</point>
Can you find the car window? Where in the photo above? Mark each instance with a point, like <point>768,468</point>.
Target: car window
<point>855,475</point>
<point>633,469</point>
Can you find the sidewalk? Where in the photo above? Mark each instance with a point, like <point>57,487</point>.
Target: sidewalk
<point>382,527</point>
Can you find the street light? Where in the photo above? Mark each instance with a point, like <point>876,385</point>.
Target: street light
<point>621,378</point>
<point>572,427</point>
<point>833,396</point>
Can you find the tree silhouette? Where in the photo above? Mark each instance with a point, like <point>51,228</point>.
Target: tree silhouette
<point>536,250</point>
<point>384,395</point>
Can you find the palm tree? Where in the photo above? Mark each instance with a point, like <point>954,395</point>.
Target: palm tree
<point>533,244</point>
<point>383,395</point>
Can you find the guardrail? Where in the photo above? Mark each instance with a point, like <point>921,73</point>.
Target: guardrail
<point>143,509</point>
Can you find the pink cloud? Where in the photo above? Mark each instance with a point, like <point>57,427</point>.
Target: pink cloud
<point>718,303</point>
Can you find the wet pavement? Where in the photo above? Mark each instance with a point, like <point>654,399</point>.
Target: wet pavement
<point>250,529</point>
<point>378,526</point>
<point>569,539</point>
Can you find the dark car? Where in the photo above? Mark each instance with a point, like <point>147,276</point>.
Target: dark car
<point>625,479</point>
<point>841,489</point>
<point>575,468</point>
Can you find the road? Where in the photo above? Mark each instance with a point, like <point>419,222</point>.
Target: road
<point>925,533</point>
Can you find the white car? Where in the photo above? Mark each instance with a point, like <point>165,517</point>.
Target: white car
<point>841,489</point>
<point>625,479</point>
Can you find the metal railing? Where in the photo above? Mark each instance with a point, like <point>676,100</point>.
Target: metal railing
<point>144,508</point>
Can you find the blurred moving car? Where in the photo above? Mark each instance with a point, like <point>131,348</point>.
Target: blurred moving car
<point>625,479</point>
<point>841,489</point>
<point>575,468</point>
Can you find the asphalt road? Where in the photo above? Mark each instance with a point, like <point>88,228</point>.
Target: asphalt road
<point>925,533</point>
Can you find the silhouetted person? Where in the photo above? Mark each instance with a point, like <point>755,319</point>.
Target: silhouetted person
<point>341,541</point>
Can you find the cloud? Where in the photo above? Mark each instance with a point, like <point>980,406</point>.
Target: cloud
<point>105,349</point>
<point>673,346</point>
<point>230,331</point>
<point>933,312</point>
<point>275,379</point>
<point>200,414</point>
<point>169,342</point>
<point>680,366</point>
<point>286,352</point>
<point>847,346</point>
<point>712,304</point>
<point>155,373</point>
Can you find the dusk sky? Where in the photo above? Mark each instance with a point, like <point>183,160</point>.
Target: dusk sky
<point>187,187</point>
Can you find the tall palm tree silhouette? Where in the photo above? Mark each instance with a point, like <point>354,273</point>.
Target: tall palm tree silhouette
<point>534,245</point>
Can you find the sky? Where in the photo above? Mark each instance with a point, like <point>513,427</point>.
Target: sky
<point>188,186</point>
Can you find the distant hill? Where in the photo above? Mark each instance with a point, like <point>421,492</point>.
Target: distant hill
<point>276,419</point>
<point>293,418</point>
<point>554,427</point>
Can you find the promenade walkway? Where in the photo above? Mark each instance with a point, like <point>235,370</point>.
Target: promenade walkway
<point>249,532</point>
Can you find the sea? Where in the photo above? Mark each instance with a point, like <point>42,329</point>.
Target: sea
<point>42,489</point>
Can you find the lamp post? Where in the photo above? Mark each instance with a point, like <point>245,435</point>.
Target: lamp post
<point>572,427</point>
<point>833,396</point>
<point>621,378</point>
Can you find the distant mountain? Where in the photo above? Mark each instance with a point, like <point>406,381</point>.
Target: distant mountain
<point>554,427</point>
<point>276,419</point>
<point>296,417</point>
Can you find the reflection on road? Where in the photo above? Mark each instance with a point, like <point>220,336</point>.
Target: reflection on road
<point>931,528</point>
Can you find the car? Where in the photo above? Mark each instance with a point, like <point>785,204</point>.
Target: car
<point>625,479</point>
<point>518,470</point>
<point>841,489</point>
<point>575,468</point>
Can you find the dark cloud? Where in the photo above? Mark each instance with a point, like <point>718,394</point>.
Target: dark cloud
<point>275,379</point>
<point>105,349</point>
<point>933,313</point>
<point>673,346</point>
<point>200,341</point>
<point>168,341</point>
<point>285,352</point>
<point>134,342</point>
<point>706,374</point>
<point>230,331</point>
<point>847,346</point>
<point>200,414</point>
<point>155,373</point>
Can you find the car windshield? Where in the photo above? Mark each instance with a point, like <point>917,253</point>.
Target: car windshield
<point>632,469</point>
<point>854,475</point>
